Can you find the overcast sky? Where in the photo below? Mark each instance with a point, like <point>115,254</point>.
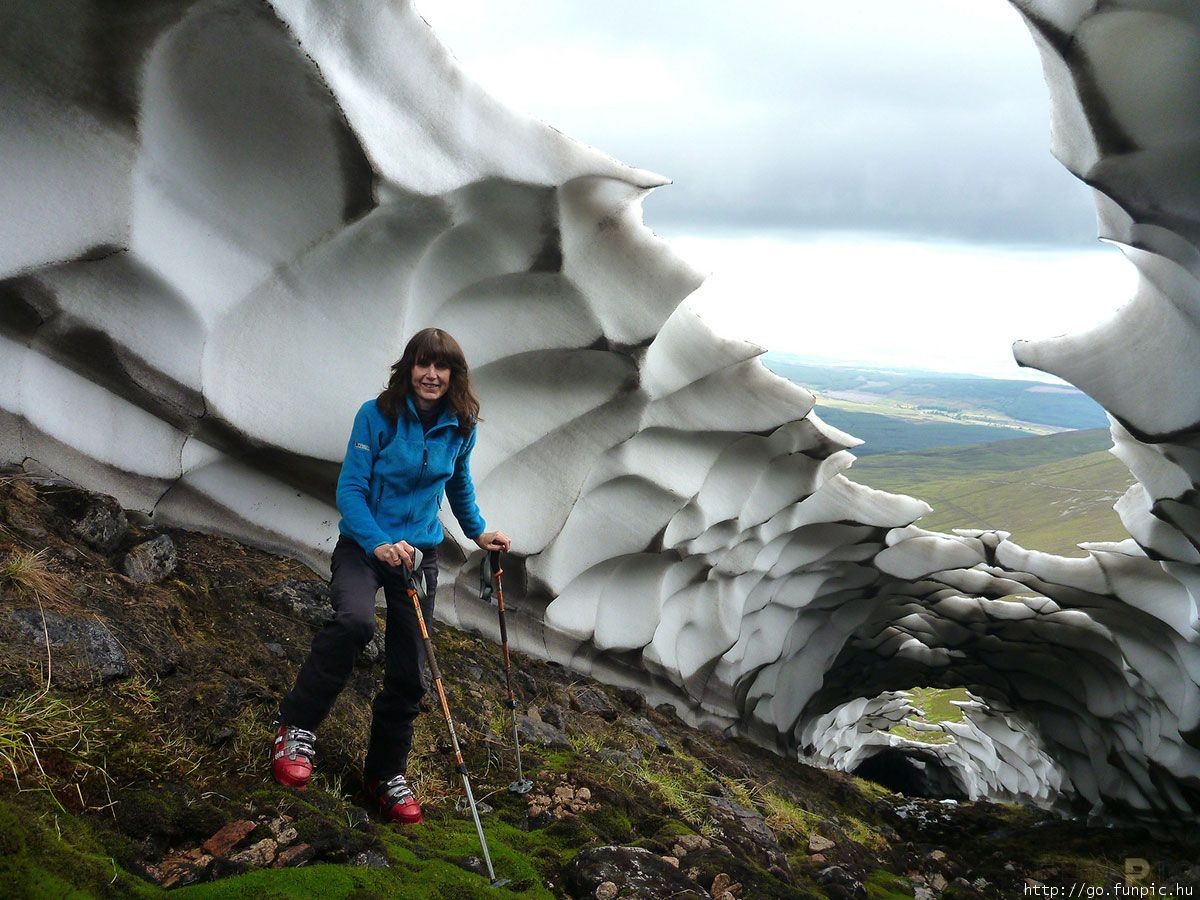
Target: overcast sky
<point>827,138</point>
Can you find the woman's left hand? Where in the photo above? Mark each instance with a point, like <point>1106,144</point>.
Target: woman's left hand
<point>494,540</point>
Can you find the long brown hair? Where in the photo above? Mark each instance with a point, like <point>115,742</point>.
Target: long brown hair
<point>432,345</point>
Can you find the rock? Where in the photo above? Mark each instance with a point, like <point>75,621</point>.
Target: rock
<point>85,651</point>
<point>937,856</point>
<point>295,855</point>
<point>631,698</point>
<point>818,858</point>
<point>620,757</point>
<point>275,649</point>
<point>472,864</point>
<point>103,525</point>
<point>310,601</point>
<point>228,837</point>
<point>591,699</point>
<point>258,855</point>
<point>605,890</point>
<point>819,844</point>
<point>938,882</point>
<point>180,869</point>
<point>748,830</point>
<point>692,842</point>
<point>723,883</point>
<point>645,728</point>
<point>220,736</point>
<point>670,860</point>
<point>634,871</point>
<point>525,683</point>
<point>840,883</point>
<point>922,893</point>
<point>372,859</point>
<point>541,733</point>
<point>554,714</point>
<point>282,830</point>
<point>150,561</point>
<point>981,884</point>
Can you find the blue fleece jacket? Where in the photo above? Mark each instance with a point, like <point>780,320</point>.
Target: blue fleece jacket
<point>395,474</point>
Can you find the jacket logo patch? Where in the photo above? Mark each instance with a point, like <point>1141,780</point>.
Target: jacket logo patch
<point>359,445</point>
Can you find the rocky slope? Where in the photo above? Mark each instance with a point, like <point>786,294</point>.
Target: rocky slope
<point>139,675</point>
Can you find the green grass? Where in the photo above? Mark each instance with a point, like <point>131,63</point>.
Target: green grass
<point>1050,492</point>
<point>937,706</point>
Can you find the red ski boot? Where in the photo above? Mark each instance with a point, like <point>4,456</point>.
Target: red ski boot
<point>396,800</point>
<point>292,756</point>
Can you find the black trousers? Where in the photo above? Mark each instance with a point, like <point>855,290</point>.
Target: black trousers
<point>357,576</point>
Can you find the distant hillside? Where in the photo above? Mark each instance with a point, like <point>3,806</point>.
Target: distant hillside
<point>1058,406</point>
<point>1051,492</point>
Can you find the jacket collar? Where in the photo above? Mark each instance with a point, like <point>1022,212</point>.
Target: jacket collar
<point>448,416</point>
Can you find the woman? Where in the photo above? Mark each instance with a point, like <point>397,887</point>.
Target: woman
<point>408,446</point>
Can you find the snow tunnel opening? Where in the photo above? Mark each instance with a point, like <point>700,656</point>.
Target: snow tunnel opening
<point>911,773</point>
<point>940,742</point>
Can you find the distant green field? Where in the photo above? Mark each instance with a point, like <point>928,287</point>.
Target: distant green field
<point>1051,492</point>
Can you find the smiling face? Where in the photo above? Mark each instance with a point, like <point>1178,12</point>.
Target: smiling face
<point>430,382</point>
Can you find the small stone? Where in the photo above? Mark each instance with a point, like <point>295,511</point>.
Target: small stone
<point>103,525</point>
<point>606,890</point>
<point>257,855</point>
<point>554,715</point>
<point>228,837</point>
<point>819,844</point>
<point>981,884</point>
<point>938,882</point>
<point>296,855</point>
<point>671,861</point>
<point>542,733</point>
<point>590,699</point>
<point>220,736</point>
<point>936,856</point>
<point>179,870</point>
<point>276,649</point>
<point>720,884</point>
<point>818,858</point>
<point>372,859</point>
<point>283,832</point>
<point>584,794</point>
<point>646,728</point>
<point>151,560</point>
<point>726,895</point>
<point>692,842</point>
<point>922,893</point>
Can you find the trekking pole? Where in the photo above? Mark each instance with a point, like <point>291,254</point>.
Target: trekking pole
<point>411,589</point>
<point>490,570</point>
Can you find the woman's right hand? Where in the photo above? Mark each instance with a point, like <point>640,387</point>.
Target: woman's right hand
<point>399,553</point>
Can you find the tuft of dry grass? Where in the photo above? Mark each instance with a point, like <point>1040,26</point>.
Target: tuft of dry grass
<point>27,574</point>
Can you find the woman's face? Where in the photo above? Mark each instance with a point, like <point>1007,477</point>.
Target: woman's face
<point>430,383</point>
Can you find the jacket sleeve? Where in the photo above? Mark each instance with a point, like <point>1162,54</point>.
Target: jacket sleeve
<point>354,485</point>
<point>460,491</point>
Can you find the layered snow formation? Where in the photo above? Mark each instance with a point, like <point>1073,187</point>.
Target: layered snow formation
<point>988,753</point>
<point>223,218</point>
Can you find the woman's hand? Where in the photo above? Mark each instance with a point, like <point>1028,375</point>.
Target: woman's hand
<point>494,540</point>
<point>396,554</point>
